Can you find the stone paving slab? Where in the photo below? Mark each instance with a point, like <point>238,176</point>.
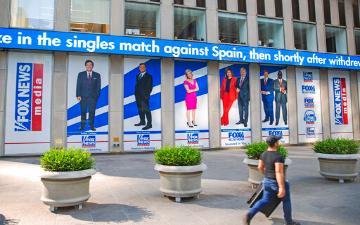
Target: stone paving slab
<point>126,191</point>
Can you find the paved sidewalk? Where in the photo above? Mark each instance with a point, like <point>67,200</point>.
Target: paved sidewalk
<point>126,191</point>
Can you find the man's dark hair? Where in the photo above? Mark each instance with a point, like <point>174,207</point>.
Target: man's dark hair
<point>89,61</point>
<point>271,140</point>
<point>142,64</point>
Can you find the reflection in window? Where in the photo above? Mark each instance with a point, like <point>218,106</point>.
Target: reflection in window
<point>189,24</point>
<point>271,33</point>
<point>305,36</point>
<point>142,19</point>
<point>200,3</point>
<point>311,7</point>
<point>278,8</point>
<point>36,14</point>
<point>232,28</point>
<point>179,2</point>
<point>336,40</point>
<point>341,7</point>
<point>261,7</point>
<point>242,6</point>
<point>222,4</point>
<point>357,41</point>
<point>90,16</point>
<point>356,9</point>
<point>327,15</point>
<point>295,9</point>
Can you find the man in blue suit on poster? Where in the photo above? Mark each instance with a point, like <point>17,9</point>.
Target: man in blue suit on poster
<point>267,96</point>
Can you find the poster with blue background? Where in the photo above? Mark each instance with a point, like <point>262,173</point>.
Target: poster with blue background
<point>142,101</point>
<point>81,134</point>
<point>235,126</point>
<point>191,107</point>
<point>274,107</point>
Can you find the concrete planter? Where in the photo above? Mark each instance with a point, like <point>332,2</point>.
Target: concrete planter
<point>180,181</point>
<point>255,176</point>
<point>61,189</point>
<point>339,167</point>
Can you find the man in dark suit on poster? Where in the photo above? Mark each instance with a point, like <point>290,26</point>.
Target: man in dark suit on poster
<point>267,96</point>
<point>88,89</point>
<point>143,88</point>
<point>242,88</point>
<point>280,87</point>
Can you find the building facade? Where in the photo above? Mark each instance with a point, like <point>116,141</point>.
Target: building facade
<point>301,103</point>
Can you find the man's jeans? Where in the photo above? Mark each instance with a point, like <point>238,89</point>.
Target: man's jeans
<point>270,192</point>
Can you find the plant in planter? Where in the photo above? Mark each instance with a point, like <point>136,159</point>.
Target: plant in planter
<point>253,152</point>
<point>180,170</point>
<point>338,158</point>
<point>66,177</point>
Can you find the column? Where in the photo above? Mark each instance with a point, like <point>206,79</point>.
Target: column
<point>292,105</point>
<point>304,10</point>
<point>231,5</point>
<point>320,27</point>
<point>212,22</point>
<point>190,3</point>
<point>167,25</point>
<point>349,17</point>
<point>117,20</point>
<point>255,102</point>
<point>214,104</point>
<point>288,25</point>
<point>325,109</point>
<point>355,104</point>
<point>270,8</point>
<point>252,22</point>
<point>334,12</point>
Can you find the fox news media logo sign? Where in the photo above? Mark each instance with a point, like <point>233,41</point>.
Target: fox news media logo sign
<point>308,102</point>
<point>193,138</point>
<point>143,139</point>
<point>275,133</point>
<point>308,77</point>
<point>88,141</point>
<point>310,131</point>
<point>236,136</point>
<point>340,101</point>
<point>308,89</point>
<point>309,117</point>
<point>28,97</point>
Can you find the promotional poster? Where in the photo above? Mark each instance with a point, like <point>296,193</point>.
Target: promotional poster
<point>28,103</point>
<point>309,105</point>
<point>88,104</point>
<point>191,104</point>
<point>340,104</point>
<point>142,104</point>
<point>274,107</point>
<point>235,104</point>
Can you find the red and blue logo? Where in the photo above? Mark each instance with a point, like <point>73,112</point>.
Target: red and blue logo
<point>341,111</point>
<point>29,93</point>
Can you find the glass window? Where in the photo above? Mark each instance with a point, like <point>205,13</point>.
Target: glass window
<point>189,24</point>
<point>200,3</point>
<point>222,4</point>
<point>36,14</point>
<point>357,41</point>
<point>142,19</point>
<point>305,36</point>
<point>327,15</point>
<point>90,16</point>
<point>336,40</point>
<point>341,7</point>
<point>232,28</point>
<point>242,6</point>
<point>295,9</point>
<point>311,7</point>
<point>278,8</point>
<point>179,2</point>
<point>271,33</point>
<point>261,7</point>
<point>356,13</point>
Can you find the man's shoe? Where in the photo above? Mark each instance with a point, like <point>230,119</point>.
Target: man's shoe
<point>245,124</point>
<point>271,122</point>
<point>246,219</point>
<point>238,123</point>
<point>277,123</point>
<point>265,120</point>
<point>147,127</point>
<point>285,122</point>
<point>139,124</point>
<point>292,223</point>
<point>81,128</point>
<point>92,128</point>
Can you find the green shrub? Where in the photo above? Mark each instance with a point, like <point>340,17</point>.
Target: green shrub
<point>254,150</point>
<point>178,156</point>
<point>67,160</point>
<point>336,146</point>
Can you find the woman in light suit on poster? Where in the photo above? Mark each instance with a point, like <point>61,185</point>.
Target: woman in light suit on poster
<point>191,88</point>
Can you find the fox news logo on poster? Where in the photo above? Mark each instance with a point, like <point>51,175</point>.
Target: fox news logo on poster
<point>308,102</point>
<point>308,77</point>
<point>308,89</point>
<point>309,117</point>
<point>88,141</point>
<point>143,139</point>
<point>236,136</point>
<point>340,101</point>
<point>193,138</point>
<point>310,131</point>
<point>275,133</point>
<point>28,97</point>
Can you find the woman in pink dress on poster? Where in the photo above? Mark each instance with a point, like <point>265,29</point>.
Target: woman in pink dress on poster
<point>191,88</point>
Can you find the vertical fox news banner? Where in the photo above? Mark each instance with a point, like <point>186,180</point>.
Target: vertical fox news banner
<point>28,103</point>
<point>340,104</point>
<point>274,103</point>
<point>135,138</point>
<point>233,134</point>
<point>93,141</point>
<point>309,105</point>
<point>195,136</point>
